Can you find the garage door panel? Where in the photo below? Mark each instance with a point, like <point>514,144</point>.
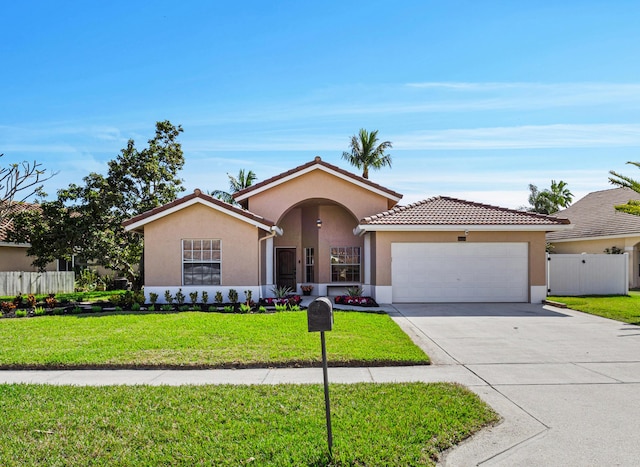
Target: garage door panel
<point>464,272</point>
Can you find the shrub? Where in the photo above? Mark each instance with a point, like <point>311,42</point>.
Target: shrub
<point>281,307</point>
<point>184,308</point>
<point>135,307</point>
<point>39,311</point>
<point>281,292</point>
<point>58,311</point>
<point>193,296</point>
<point>7,307</point>
<point>76,309</point>
<point>205,297</point>
<point>244,308</point>
<point>166,307</point>
<point>151,308</point>
<point>96,308</point>
<point>168,297</point>
<point>118,308</point>
<point>153,298</point>
<point>233,295</point>
<point>180,297</point>
<point>31,300</point>
<point>17,300</point>
<point>247,297</point>
<point>218,298</point>
<point>213,308</point>
<point>196,308</point>
<point>262,309</point>
<point>21,313</point>
<point>228,309</point>
<point>354,292</point>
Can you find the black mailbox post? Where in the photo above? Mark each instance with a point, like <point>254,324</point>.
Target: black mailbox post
<point>320,319</point>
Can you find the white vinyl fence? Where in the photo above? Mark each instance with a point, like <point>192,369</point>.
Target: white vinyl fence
<point>587,274</point>
<point>15,282</point>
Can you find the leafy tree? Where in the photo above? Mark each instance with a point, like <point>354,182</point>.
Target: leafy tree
<point>22,180</point>
<point>549,201</point>
<point>87,219</point>
<point>623,181</point>
<point>236,184</point>
<point>366,153</point>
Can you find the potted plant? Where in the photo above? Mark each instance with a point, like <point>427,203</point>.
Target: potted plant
<point>306,289</point>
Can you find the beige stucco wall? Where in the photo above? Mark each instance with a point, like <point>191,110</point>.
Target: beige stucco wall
<point>382,246</point>
<point>13,258</point>
<point>163,245</point>
<point>273,203</point>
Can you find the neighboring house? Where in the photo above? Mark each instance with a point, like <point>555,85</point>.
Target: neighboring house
<point>598,226</point>
<point>13,256</point>
<point>321,225</point>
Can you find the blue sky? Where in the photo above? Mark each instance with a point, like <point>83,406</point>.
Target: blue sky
<point>478,98</point>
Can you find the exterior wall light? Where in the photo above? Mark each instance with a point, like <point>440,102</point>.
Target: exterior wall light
<point>319,223</point>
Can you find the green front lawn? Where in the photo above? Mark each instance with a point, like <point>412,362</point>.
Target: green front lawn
<point>625,308</point>
<point>201,340</point>
<point>284,425</point>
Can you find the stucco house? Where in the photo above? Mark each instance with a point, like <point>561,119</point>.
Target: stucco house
<point>13,256</point>
<point>598,226</point>
<point>321,225</point>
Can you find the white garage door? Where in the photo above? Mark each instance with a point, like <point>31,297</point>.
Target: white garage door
<point>460,272</point>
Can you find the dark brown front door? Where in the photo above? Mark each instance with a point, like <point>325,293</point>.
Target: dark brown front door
<point>286,267</point>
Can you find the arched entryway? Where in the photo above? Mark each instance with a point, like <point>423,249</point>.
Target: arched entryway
<point>318,248</point>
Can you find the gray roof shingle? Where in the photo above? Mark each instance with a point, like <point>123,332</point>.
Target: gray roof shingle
<point>595,216</point>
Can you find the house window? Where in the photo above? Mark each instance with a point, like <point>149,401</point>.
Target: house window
<point>308,264</point>
<point>201,262</point>
<point>345,264</point>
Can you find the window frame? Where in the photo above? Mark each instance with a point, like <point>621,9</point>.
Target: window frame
<point>344,256</point>
<point>211,259</point>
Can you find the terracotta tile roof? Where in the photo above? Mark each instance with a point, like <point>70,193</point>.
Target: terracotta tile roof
<point>6,224</point>
<point>442,210</point>
<point>316,161</point>
<point>198,194</point>
<point>595,216</point>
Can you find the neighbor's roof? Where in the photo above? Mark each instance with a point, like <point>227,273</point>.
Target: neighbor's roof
<point>595,216</point>
<point>316,164</point>
<point>444,213</point>
<point>197,197</point>
<point>6,224</point>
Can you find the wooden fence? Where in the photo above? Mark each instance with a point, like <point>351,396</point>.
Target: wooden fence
<point>15,282</point>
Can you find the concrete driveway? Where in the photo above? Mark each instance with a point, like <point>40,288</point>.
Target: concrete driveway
<point>566,383</point>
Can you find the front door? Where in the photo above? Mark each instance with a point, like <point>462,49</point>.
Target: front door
<point>286,268</point>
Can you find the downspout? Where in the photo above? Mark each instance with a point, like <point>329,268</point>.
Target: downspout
<point>275,230</point>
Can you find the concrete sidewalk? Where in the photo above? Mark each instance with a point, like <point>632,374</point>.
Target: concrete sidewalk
<point>451,373</point>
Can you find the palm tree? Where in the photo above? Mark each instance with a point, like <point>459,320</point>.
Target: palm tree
<point>549,201</point>
<point>623,181</point>
<point>242,181</point>
<point>366,153</point>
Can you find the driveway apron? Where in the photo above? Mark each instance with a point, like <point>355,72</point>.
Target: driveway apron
<point>566,383</point>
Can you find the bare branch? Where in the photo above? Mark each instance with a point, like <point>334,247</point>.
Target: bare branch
<point>20,181</point>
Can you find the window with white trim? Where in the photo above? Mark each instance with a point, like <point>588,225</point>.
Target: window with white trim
<point>345,264</point>
<point>308,264</point>
<point>201,262</point>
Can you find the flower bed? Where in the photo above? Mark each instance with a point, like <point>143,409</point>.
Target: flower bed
<point>355,301</point>
<point>289,299</point>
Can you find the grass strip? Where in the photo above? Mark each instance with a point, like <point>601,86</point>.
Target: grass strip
<point>373,424</point>
<point>625,308</point>
<point>201,340</point>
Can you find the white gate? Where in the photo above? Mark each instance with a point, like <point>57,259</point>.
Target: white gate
<point>588,274</point>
